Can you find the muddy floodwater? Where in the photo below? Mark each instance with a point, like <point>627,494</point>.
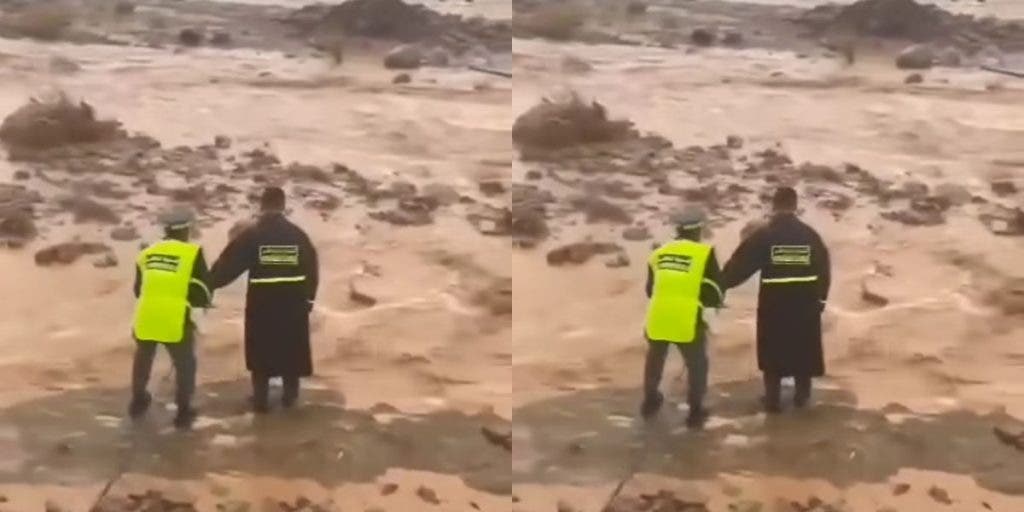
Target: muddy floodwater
<point>477,336</point>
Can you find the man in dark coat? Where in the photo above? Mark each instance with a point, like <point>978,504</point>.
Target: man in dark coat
<point>283,279</point>
<point>795,280</point>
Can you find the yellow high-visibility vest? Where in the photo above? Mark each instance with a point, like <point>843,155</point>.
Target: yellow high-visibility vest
<point>674,309</point>
<point>166,268</point>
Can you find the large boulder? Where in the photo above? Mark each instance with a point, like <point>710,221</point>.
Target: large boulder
<point>406,56</point>
<point>918,56</point>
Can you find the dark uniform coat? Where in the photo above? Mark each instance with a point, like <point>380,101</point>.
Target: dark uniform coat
<point>283,280</point>
<point>795,280</point>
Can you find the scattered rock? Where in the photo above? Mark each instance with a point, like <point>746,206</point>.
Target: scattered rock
<point>619,261</point>
<point>835,201</point>
<point>636,233</point>
<point>22,175</point>
<point>40,125</point>
<point>68,252</point>
<point>17,228</point>
<point>190,37</point>
<point>1003,188</point>
<point>125,233</point>
<point>415,211</point>
<point>234,506</point>
<point>124,8</point>
<point>746,506</point>
<point>734,142</point>
<point>900,489</point>
<point>914,190</point>
<point>388,489</point>
<point>491,188</point>
<point>1008,297</point>
<point>323,201</point>
<point>51,506</point>
<point>949,57</point>
<point>221,39</point>
<point>534,175</point>
<point>445,195</point>
<point>406,56</point>
<point>914,78</point>
<point>635,8</point>
<point>1003,221</point>
<point>222,142</point>
<point>918,56</point>
<point>438,58</point>
<point>1009,439</point>
<point>525,221</point>
<point>562,506</point>
<point>940,495</point>
<point>580,252</point>
<point>597,209</point>
<point>63,65</point>
<point>555,125</point>
<point>496,438</point>
<point>916,216</point>
<point>495,298</point>
<point>662,501</point>
<point>576,65</point>
<point>107,261</point>
<point>817,172</point>
<point>955,194</point>
<point>702,37</point>
<point>359,297</point>
<point>871,297</point>
<point>402,78</point>
<point>732,38</point>
<point>428,495</point>
<point>85,209</point>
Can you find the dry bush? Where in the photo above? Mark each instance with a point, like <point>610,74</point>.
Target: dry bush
<point>54,123</point>
<point>559,22</point>
<point>43,21</point>
<point>566,123</point>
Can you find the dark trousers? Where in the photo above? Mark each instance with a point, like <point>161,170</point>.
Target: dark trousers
<point>696,358</point>
<point>773,389</point>
<point>184,358</point>
<point>261,389</point>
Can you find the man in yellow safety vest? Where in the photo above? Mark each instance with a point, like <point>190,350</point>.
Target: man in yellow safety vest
<point>170,279</point>
<point>682,280</point>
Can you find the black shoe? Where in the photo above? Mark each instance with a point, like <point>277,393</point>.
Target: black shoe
<point>185,418</point>
<point>651,405</point>
<point>139,406</point>
<point>771,406</point>
<point>288,402</point>
<point>697,418</point>
<point>801,402</point>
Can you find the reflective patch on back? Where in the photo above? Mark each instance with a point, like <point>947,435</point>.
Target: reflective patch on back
<point>674,262</point>
<point>278,255</point>
<point>791,255</point>
<point>162,262</point>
